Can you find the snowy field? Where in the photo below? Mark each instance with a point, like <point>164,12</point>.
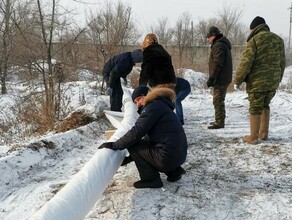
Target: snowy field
<point>226,178</point>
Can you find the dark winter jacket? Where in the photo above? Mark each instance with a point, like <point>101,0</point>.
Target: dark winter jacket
<point>263,61</point>
<point>156,67</point>
<point>181,84</point>
<point>220,61</point>
<point>118,66</point>
<point>161,126</point>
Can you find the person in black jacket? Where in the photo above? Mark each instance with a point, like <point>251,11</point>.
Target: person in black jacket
<point>157,142</point>
<point>157,68</point>
<point>182,90</point>
<point>117,67</point>
<point>220,73</point>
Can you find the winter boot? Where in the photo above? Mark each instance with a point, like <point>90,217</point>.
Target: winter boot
<point>175,174</point>
<point>216,125</point>
<point>152,183</point>
<point>255,121</point>
<point>264,128</point>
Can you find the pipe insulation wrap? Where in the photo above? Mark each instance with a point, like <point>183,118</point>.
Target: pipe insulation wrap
<point>78,196</point>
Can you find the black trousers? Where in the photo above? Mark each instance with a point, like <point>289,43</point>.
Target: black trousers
<point>146,161</point>
<point>116,100</point>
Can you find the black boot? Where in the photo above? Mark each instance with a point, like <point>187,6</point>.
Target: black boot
<point>216,125</point>
<point>152,183</point>
<point>175,175</point>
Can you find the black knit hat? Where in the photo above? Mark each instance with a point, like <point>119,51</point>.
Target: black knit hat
<point>213,31</point>
<point>139,91</point>
<point>256,21</point>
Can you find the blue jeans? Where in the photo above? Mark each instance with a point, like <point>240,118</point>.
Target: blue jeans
<point>178,106</point>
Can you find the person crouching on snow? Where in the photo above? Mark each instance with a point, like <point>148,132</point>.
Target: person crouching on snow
<point>157,142</point>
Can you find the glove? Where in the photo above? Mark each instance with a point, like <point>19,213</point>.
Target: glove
<point>125,81</point>
<point>109,91</point>
<point>210,82</point>
<point>236,87</point>
<point>109,145</point>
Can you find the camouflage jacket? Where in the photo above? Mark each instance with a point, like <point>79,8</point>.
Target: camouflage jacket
<point>263,61</point>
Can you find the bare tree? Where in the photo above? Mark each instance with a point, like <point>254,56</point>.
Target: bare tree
<point>183,35</point>
<point>37,43</point>
<point>239,35</point>
<point>6,32</point>
<point>229,17</point>
<point>202,29</point>
<point>229,23</point>
<point>47,28</point>
<point>163,31</point>
<point>112,26</point>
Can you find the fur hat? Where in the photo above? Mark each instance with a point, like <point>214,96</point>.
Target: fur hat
<point>256,21</point>
<point>139,91</point>
<point>137,56</point>
<point>213,31</point>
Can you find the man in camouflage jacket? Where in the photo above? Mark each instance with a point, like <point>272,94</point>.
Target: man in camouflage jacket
<point>261,68</point>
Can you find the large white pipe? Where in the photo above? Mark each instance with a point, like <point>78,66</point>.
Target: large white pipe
<point>78,196</point>
<point>115,118</point>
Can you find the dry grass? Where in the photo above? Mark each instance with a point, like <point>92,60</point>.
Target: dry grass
<point>76,120</point>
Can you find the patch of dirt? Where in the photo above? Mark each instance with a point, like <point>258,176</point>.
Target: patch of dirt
<point>76,120</point>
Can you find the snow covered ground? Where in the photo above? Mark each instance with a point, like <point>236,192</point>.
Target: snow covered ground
<point>226,178</point>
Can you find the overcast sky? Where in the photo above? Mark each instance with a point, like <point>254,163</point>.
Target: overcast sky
<point>147,12</point>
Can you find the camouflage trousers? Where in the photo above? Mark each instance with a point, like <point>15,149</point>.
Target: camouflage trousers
<point>259,101</point>
<point>219,93</point>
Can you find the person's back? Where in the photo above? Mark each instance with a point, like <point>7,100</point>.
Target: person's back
<point>262,66</point>
<point>119,66</point>
<point>157,68</point>
<point>266,70</point>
